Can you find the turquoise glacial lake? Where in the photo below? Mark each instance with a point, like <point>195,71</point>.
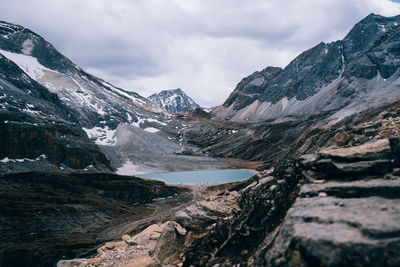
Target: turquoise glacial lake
<point>201,177</point>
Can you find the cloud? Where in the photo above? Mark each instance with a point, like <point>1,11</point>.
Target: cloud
<point>202,46</point>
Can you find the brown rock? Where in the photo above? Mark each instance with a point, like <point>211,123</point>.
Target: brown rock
<point>110,245</point>
<point>144,262</point>
<point>95,261</point>
<point>120,244</point>
<point>126,237</point>
<point>146,235</point>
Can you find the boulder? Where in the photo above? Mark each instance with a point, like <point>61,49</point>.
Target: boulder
<point>194,218</point>
<point>153,232</point>
<point>169,244</point>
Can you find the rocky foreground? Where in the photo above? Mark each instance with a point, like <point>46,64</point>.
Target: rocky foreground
<point>337,207</point>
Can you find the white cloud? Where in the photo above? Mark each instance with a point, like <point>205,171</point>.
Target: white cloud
<point>203,46</point>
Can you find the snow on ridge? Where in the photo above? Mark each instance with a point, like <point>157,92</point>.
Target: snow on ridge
<point>156,121</point>
<point>88,99</point>
<point>6,159</point>
<point>30,65</point>
<point>118,91</point>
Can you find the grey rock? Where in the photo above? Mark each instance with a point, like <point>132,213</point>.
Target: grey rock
<point>169,244</point>
<point>194,218</point>
<point>349,168</point>
<point>71,263</point>
<point>378,149</point>
<point>354,189</point>
<point>333,231</point>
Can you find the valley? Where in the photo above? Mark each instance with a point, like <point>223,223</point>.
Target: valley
<point>323,134</point>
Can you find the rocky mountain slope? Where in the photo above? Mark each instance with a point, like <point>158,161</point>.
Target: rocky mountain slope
<point>122,124</point>
<point>340,78</point>
<point>173,100</point>
<point>38,129</point>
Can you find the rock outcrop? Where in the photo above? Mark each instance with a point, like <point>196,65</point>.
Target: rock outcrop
<point>206,212</point>
<point>342,222</point>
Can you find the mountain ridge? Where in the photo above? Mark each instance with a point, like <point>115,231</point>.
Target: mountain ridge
<point>173,100</point>
<point>324,77</point>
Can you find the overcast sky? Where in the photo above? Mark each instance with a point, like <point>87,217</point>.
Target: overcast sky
<point>204,47</point>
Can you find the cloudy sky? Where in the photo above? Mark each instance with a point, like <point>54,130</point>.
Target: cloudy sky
<point>204,47</point>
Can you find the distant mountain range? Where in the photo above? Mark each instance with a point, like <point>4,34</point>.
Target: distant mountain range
<point>173,100</point>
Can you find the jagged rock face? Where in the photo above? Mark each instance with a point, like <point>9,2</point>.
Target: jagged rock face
<point>173,100</point>
<point>234,240</point>
<point>343,218</point>
<point>341,77</point>
<point>251,87</point>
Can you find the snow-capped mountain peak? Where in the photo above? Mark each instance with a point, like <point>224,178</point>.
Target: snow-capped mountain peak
<point>173,100</point>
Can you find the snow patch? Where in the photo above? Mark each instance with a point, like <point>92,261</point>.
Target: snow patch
<point>88,167</point>
<point>89,100</point>
<point>151,130</point>
<point>102,136</point>
<point>156,121</point>
<point>120,92</point>
<point>29,64</point>
<point>129,117</point>
<point>6,159</point>
<point>29,110</point>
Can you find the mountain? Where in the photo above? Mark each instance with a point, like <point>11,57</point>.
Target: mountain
<point>109,116</point>
<point>100,105</point>
<point>173,100</point>
<point>339,78</point>
<point>38,129</point>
